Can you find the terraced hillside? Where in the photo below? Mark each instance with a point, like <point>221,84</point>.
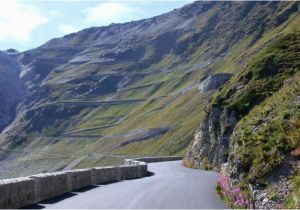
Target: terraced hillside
<point>105,93</point>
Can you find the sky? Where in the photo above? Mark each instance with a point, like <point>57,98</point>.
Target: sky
<point>26,24</point>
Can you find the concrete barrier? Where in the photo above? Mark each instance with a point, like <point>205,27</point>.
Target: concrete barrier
<point>24,191</point>
<point>50,185</point>
<point>80,178</point>
<point>142,169</point>
<point>129,172</point>
<point>106,175</point>
<point>16,193</point>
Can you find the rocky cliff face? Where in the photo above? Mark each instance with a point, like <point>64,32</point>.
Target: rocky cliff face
<point>84,93</point>
<point>210,147</point>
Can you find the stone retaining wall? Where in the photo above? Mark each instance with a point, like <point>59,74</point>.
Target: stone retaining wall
<point>24,191</point>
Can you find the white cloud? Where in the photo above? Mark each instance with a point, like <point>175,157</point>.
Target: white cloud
<point>18,19</point>
<point>54,13</point>
<point>110,12</point>
<point>65,28</point>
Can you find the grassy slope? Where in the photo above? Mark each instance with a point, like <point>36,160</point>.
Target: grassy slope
<point>267,110</point>
<point>267,103</point>
<point>270,131</point>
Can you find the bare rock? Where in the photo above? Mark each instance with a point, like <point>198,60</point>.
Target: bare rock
<point>214,82</point>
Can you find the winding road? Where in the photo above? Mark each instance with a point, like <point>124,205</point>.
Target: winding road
<point>172,186</point>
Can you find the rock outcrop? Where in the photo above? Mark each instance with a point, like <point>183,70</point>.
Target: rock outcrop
<point>210,147</point>
<point>214,82</point>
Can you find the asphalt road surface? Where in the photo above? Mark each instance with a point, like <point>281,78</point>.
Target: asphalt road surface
<point>172,186</point>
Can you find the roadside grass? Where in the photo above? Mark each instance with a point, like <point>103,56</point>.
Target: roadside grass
<point>293,201</point>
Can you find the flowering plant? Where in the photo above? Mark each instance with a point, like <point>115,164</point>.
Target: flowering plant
<point>232,194</point>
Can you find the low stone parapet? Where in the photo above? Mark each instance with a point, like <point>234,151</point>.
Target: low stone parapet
<point>50,185</point>
<point>80,178</point>
<point>129,172</point>
<point>151,159</point>
<point>142,169</point>
<point>106,174</point>
<point>16,193</point>
<point>25,191</point>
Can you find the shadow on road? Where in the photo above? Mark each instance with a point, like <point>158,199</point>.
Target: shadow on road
<point>149,173</point>
<point>81,190</point>
<point>34,206</point>
<point>74,193</point>
<point>51,201</point>
<point>58,198</point>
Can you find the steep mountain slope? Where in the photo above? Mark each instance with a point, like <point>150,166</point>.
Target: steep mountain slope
<point>10,88</point>
<point>253,123</point>
<point>99,95</point>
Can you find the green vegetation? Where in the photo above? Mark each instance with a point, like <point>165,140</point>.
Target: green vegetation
<point>100,161</point>
<point>293,201</point>
<point>265,99</point>
<point>269,132</point>
<point>266,106</point>
<point>273,194</point>
<point>264,75</point>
